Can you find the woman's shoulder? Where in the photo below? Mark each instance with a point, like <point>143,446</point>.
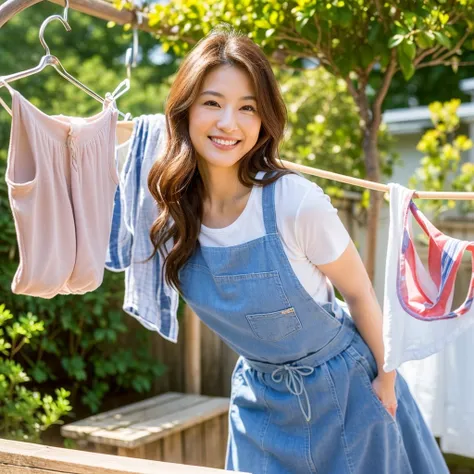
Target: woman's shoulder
<point>295,181</point>
<point>294,191</point>
<point>307,219</point>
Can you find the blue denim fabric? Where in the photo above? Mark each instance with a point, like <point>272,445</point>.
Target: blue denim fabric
<point>301,400</point>
<point>148,298</point>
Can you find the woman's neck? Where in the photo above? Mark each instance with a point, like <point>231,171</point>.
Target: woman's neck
<point>222,187</point>
<point>225,196</point>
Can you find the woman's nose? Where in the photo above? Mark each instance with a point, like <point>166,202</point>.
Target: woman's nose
<point>227,121</point>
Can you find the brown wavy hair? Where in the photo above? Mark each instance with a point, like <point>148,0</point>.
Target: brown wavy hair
<point>174,179</point>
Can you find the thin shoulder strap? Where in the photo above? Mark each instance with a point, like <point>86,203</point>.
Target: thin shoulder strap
<point>268,204</point>
<point>11,90</point>
<point>109,102</point>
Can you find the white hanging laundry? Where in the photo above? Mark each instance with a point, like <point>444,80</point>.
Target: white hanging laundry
<point>443,387</point>
<point>434,343</point>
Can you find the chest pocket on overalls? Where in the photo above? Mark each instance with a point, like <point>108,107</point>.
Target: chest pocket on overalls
<point>262,299</point>
<point>274,326</point>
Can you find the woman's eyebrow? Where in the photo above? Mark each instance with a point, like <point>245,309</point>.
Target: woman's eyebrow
<point>218,94</point>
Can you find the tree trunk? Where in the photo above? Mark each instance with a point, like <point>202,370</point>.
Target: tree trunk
<point>372,166</point>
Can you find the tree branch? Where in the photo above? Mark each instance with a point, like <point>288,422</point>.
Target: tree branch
<point>369,68</point>
<point>294,39</point>
<point>329,52</point>
<point>458,45</point>
<point>363,80</point>
<point>387,79</point>
<point>441,50</point>
<point>454,19</point>
<point>285,67</point>
<point>364,108</point>
<point>444,63</point>
<point>352,90</point>
<point>424,54</point>
<point>379,8</point>
<point>324,56</point>
<point>318,28</point>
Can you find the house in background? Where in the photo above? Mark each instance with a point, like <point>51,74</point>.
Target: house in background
<point>407,126</point>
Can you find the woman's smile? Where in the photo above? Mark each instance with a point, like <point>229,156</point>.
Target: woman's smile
<point>224,144</point>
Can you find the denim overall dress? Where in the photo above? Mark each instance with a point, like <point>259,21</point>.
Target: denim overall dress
<point>301,398</point>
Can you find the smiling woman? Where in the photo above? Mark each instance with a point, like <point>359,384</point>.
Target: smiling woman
<point>255,250</point>
<point>214,100</point>
<point>224,119</point>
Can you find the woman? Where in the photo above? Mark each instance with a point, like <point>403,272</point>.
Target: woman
<point>255,249</point>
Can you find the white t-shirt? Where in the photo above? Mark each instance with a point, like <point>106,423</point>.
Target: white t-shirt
<point>310,229</point>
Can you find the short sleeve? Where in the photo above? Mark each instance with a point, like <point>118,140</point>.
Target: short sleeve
<point>319,231</point>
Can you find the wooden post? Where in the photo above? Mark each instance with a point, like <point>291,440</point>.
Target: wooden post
<point>192,351</point>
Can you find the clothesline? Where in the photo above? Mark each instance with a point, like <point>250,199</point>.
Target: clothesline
<point>127,128</point>
<point>457,196</point>
<point>466,196</point>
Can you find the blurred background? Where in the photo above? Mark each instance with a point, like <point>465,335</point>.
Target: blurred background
<point>400,77</point>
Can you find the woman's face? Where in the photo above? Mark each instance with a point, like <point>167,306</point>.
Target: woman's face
<point>224,122</point>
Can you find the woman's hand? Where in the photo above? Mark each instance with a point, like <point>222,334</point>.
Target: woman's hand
<point>349,276</point>
<point>384,388</point>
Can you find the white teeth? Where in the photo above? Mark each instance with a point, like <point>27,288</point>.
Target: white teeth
<point>224,142</point>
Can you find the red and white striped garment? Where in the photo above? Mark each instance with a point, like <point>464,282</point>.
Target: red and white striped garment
<point>418,316</point>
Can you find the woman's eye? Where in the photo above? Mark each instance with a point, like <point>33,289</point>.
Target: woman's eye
<point>247,108</point>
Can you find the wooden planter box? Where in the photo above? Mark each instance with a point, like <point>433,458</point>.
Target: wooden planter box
<point>173,427</point>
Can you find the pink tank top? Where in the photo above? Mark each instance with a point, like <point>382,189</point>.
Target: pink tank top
<point>61,179</point>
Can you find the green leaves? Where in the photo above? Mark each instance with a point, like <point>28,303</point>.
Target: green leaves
<point>406,64</point>
<point>406,54</point>
<point>5,315</point>
<point>441,167</point>
<point>94,396</point>
<point>26,327</point>
<point>75,367</point>
<point>425,39</point>
<point>442,39</point>
<point>349,37</point>
<point>408,48</point>
<point>395,40</point>
<point>40,372</point>
<point>324,126</point>
<point>24,414</point>
<point>141,384</point>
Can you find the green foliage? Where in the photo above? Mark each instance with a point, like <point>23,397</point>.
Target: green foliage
<point>24,413</point>
<point>427,84</point>
<point>323,127</point>
<point>440,167</point>
<point>346,36</point>
<point>85,346</point>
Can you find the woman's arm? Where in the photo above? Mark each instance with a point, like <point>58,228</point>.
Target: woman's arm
<point>349,276</point>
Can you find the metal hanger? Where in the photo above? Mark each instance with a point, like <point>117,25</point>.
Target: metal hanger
<point>49,60</point>
<point>131,60</point>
